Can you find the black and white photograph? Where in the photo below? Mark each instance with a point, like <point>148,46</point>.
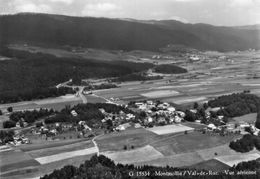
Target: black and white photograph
<point>129,89</point>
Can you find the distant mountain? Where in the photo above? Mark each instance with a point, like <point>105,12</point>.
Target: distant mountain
<point>123,34</point>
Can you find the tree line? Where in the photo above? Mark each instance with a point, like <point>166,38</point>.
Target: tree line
<point>169,69</point>
<point>27,116</point>
<point>89,112</point>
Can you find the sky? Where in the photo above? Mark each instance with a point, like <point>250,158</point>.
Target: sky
<point>215,12</point>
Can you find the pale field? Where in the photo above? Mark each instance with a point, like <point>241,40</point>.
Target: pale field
<point>66,155</point>
<point>142,154</point>
<point>55,103</point>
<point>231,160</point>
<point>160,93</point>
<point>184,100</point>
<point>169,129</point>
<point>60,149</point>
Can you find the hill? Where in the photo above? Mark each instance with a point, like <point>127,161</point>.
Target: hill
<point>102,33</point>
<point>29,73</point>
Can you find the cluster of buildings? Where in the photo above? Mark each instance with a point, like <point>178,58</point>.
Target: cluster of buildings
<point>120,121</point>
<point>150,114</point>
<point>159,113</point>
<point>18,140</point>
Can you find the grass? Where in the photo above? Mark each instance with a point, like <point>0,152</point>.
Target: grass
<point>116,141</point>
<point>231,160</point>
<point>13,156</point>
<point>94,99</point>
<point>18,165</point>
<point>250,118</point>
<point>190,142</point>
<point>178,160</point>
<point>48,144</point>
<point>194,125</point>
<point>66,155</point>
<point>160,93</point>
<point>212,164</point>
<point>60,149</point>
<point>135,155</point>
<point>168,129</point>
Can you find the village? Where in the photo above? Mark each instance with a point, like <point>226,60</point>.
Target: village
<point>146,114</point>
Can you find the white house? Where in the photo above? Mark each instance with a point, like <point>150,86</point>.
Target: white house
<point>177,119</point>
<point>171,109</point>
<point>74,113</point>
<point>211,127</point>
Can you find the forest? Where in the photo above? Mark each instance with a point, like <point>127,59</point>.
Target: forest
<point>247,143</point>
<point>169,69</point>
<point>236,104</point>
<point>103,167</point>
<point>27,73</point>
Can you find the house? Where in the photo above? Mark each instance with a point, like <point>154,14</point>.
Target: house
<point>213,109</point>
<point>220,117</point>
<point>193,111</point>
<point>149,102</point>
<point>139,104</point>
<point>177,119</point>
<point>171,109</point>
<point>150,119</point>
<point>137,125</point>
<point>130,116</point>
<point>181,114</point>
<point>74,113</point>
<point>211,127</point>
<point>102,110</point>
<point>87,127</point>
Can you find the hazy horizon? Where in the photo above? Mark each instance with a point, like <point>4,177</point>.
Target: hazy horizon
<point>218,13</point>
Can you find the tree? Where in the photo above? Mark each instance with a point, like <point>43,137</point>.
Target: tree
<point>125,147</point>
<point>205,106</point>
<point>10,109</point>
<point>1,113</point>
<point>190,116</point>
<point>196,105</point>
<point>9,124</point>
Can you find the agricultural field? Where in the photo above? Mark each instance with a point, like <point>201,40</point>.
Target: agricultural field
<point>54,103</point>
<point>250,118</point>
<point>231,160</point>
<point>95,99</point>
<point>134,155</point>
<point>175,149</point>
<point>160,93</point>
<point>193,141</point>
<point>35,160</point>
<point>212,164</point>
<point>169,129</point>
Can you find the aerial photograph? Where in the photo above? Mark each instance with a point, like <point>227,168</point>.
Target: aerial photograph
<point>129,89</point>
